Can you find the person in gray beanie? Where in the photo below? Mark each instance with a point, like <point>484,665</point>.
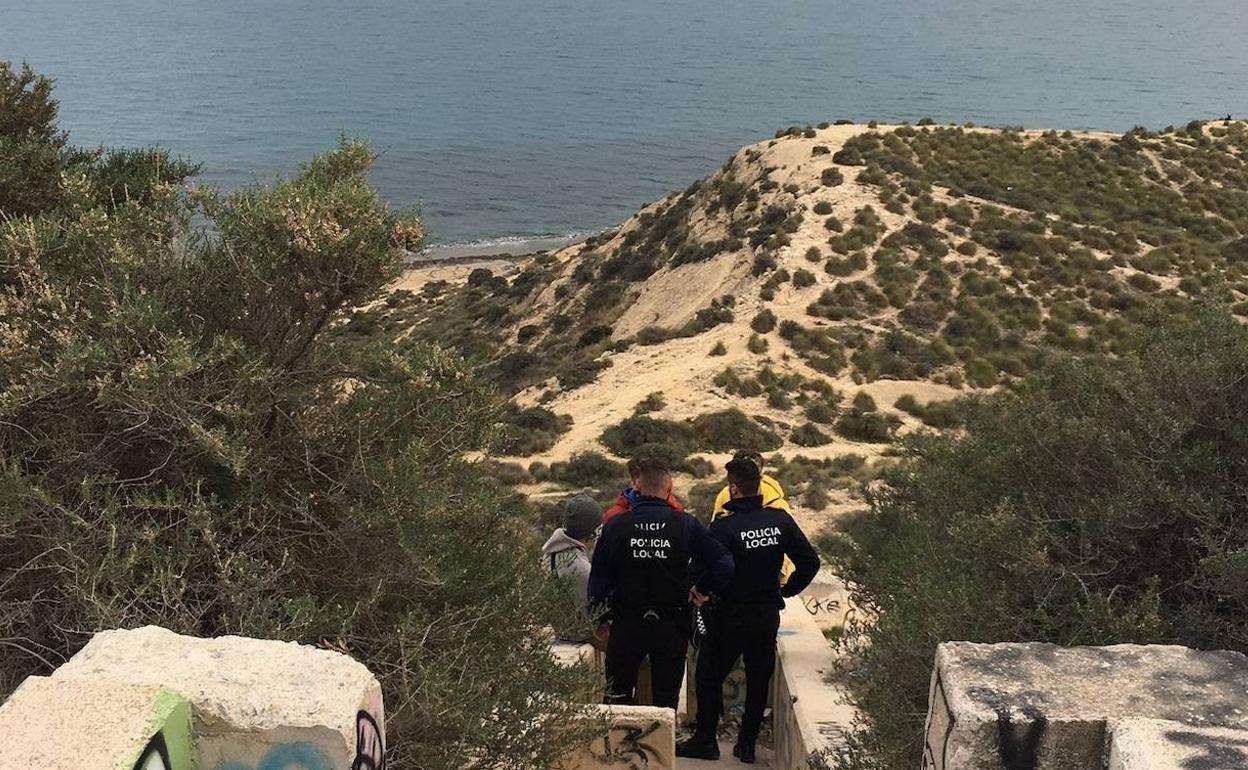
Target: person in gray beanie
<point>566,553</point>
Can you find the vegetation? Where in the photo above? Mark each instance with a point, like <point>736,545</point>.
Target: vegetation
<point>934,414</point>
<point>589,469</point>
<point>864,423</point>
<point>1098,502</point>
<point>730,430</point>
<point>192,435</point>
<point>654,402</point>
<point>530,431</point>
<point>634,432</point>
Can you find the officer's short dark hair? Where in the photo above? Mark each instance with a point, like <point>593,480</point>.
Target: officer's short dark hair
<point>652,473</point>
<point>745,474</point>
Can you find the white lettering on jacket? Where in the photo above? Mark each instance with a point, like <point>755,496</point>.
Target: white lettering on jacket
<point>760,538</point>
<point>649,547</point>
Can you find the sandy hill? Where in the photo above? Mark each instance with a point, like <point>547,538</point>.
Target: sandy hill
<point>909,264</point>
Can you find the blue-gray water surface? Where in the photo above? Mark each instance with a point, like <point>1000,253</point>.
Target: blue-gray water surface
<point>515,118</point>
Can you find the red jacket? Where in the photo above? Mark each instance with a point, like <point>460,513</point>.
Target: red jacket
<point>624,503</point>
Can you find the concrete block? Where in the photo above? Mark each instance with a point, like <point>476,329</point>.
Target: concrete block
<point>1042,707</point>
<point>639,737</point>
<point>257,705</point>
<point>1153,744</point>
<point>94,725</point>
<point>570,654</point>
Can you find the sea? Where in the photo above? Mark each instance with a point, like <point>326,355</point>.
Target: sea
<point>510,122</point>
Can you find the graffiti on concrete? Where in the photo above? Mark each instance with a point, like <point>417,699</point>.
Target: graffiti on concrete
<point>1019,744</point>
<point>625,747</point>
<point>939,726</point>
<point>155,756</point>
<point>370,746</point>
<point>287,756</point>
<point>1209,752</point>
<point>816,606</point>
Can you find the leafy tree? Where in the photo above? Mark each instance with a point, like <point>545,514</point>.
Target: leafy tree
<point>1102,502</point>
<point>186,439</point>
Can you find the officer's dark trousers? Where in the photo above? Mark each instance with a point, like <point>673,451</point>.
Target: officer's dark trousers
<point>743,631</point>
<point>665,639</point>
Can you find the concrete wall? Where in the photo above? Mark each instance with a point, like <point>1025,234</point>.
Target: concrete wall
<point>1125,707</point>
<point>149,699</point>
<point>809,714</point>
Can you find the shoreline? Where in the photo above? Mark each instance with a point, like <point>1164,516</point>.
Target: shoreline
<point>500,248</point>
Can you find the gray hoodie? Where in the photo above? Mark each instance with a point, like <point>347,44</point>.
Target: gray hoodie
<point>568,558</point>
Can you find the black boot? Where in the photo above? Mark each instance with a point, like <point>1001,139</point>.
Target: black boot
<point>744,751</point>
<point>698,747</point>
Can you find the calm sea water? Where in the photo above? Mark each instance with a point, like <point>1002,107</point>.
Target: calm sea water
<point>517,118</point>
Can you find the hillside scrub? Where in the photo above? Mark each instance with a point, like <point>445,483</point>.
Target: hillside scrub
<point>631,433</point>
<point>525,432</point>
<point>1100,501</point>
<point>190,437</point>
<point>732,429</point>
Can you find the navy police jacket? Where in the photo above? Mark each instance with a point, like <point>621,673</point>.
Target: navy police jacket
<point>759,538</point>
<point>641,561</point>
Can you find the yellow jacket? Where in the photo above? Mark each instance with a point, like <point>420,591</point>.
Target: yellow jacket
<point>773,497</point>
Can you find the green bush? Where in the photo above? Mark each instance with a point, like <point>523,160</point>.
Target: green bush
<point>823,208</point>
<point>863,401</point>
<point>189,438</point>
<point>831,177</point>
<point>803,278</point>
<point>848,156</point>
<point>909,404</point>
<point>864,423</point>
<point>508,474</point>
<point>764,322</point>
<point>821,412</point>
<point>1100,502</point>
<point>809,435</point>
<point>719,349</point>
<point>530,431</point>
<point>625,438</point>
<point>730,430</point>
<point>757,345</point>
<point>589,469</point>
<point>593,335</point>
<point>763,263</point>
<point>578,374</point>
<point>654,402</point>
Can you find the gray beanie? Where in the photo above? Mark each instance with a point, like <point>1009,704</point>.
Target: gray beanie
<point>581,516</point>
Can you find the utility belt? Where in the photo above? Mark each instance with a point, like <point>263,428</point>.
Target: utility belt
<point>652,614</point>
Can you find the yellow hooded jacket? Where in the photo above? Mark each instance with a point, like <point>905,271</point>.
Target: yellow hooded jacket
<point>773,497</point>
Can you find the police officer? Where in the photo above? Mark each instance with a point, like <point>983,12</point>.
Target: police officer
<point>743,619</point>
<point>640,573</point>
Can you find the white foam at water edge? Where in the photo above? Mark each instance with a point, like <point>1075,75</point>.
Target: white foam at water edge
<point>513,244</point>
